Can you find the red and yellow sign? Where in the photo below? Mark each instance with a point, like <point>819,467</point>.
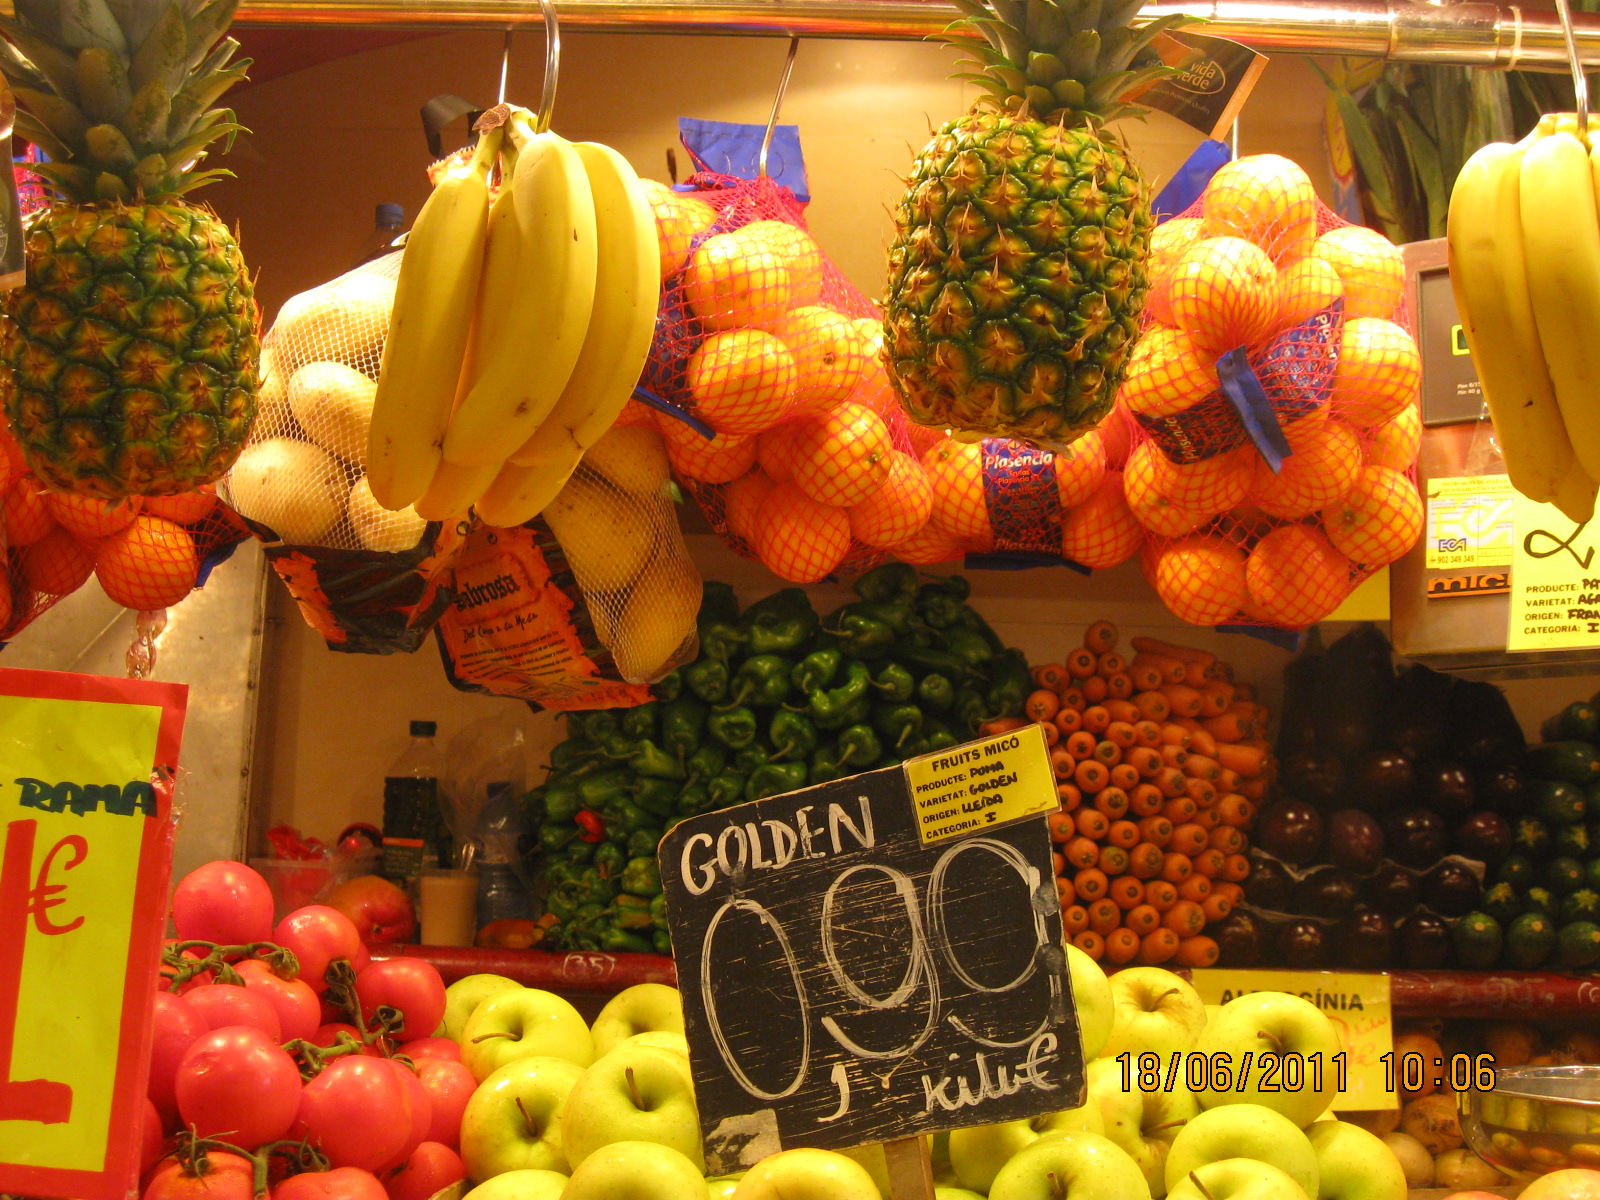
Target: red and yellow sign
<point>86,764</point>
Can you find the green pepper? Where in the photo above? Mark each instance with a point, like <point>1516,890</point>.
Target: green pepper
<point>595,888</point>
<point>828,703</point>
<point>779,632</point>
<point>553,838</point>
<point>973,620</point>
<point>596,789</point>
<point>717,602</point>
<point>735,728</point>
<point>896,683</point>
<point>721,640</point>
<point>708,679</point>
<point>641,876</point>
<point>972,709</point>
<point>640,722</point>
<point>706,762</point>
<point>726,789</point>
<point>624,941</point>
<point>968,645</point>
<point>562,904</point>
<point>659,796</point>
<point>910,652</point>
<point>661,942</point>
<point>682,722</point>
<point>856,711</point>
<point>669,687</point>
<point>643,841</point>
<point>568,754</point>
<point>533,805</point>
<point>1010,682</point>
<point>940,737</point>
<point>630,817</point>
<point>784,602</point>
<point>752,756</point>
<point>898,616</point>
<point>615,745</point>
<point>561,802</point>
<point>897,723</point>
<point>793,735</point>
<point>893,581</point>
<point>939,603</point>
<point>599,723</point>
<point>578,851</point>
<point>936,691</point>
<point>693,800</point>
<point>651,761</point>
<point>816,670</point>
<point>774,779</point>
<point>658,909</point>
<point>762,680</point>
<point>824,766</point>
<point>632,912</point>
<point>860,635</point>
<point>859,746</point>
<point>609,860</point>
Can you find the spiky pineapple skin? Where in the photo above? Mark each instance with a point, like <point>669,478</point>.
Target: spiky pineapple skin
<point>1016,278</point>
<point>129,358</point>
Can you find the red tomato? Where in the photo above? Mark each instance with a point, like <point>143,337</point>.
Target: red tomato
<point>176,1027</point>
<point>357,1112</point>
<point>430,1169</point>
<point>419,1105</point>
<point>449,1086</point>
<point>224,1004</point>
<point>432,1047</point>
<point>299,1012</point>
<point>237,1084</point>
<point>326,1035</point>
<point>318,934</point>
<point>227,1177</point>
<point>408,984</point>
<point>341,1183</point>
<point>224,902</point>
<point>152,1136</point>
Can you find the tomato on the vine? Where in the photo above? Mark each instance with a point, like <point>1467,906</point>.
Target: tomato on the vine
<point>341,1183</point>
<point>419,1108</point>
<point>318,934</point>
<point>357,1112</point>
<point>431,1168</point>
<point>176,1027</point>
<point>432,1047</point>
<point>299,1012</point>
<point>223,902</point>
<point>152,1136</point>
<point>222,1004</point>
<point>449,1086</point>
<point>227,1177</point>
<point>237,1084</point>
<point>407,984</point>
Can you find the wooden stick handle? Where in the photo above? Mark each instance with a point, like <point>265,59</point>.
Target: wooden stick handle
<point>910,1169</point>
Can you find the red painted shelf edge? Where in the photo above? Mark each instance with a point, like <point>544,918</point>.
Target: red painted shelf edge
<point>1480,994</point>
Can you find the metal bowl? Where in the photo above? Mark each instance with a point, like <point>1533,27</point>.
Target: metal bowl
<point>1536,1120</point>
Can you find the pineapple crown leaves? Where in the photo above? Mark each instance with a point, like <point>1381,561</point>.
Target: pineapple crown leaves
<point>118,92</point>
<point>1063,59</point>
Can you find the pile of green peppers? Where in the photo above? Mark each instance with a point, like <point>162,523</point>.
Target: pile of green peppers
<point>780,698</point>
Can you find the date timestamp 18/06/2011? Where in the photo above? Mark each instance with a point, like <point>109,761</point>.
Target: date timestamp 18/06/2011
<point>1291,1072</point>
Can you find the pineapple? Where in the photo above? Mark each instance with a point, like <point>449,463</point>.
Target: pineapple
<point>1017,272</point>
<point>128,359</point>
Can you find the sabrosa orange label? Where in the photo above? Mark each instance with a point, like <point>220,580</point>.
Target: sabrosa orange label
<point>512,630</point>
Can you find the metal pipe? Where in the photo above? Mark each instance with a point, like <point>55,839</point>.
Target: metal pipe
<point>1470,33</point>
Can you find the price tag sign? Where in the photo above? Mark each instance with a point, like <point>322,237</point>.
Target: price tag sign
<point>1469,522</point>
<point>876,957</point>
<point>1555,580</point>
<point>85,856</point>
<point>1357,1004</point>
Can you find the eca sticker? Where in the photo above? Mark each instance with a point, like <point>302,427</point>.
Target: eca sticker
<point>1469,522</point>
<point>959,791</point>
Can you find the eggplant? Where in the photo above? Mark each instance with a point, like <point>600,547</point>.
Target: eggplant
<point>1301,945</point>
<point>1416,836</point>
<point>1392,890</point>
<point>1240,939</point>
<point>1483,728</point>
<point>1314,775</point>
<point>1423,939</point>
<point>1302,685</point>
<point>1447,787</point>
<point>1357,679</point>
<point>1364,940</point>
<point>1382,779</point>
<point>1421,708</point>
<point>1290,830</point>
<point>1502,787</point>
<point>1354,840</point>
<point>1326,892</point>
<point>1451,889</point>
<point>1269,885</point>
<point>1482,835</point>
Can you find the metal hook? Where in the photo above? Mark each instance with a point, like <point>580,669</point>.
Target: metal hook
<point>1580,81</point>
<point>505,66</point>
<point>777,105</point>
<point>552,64</point>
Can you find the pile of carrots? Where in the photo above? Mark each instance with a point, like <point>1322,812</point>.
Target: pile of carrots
<point>1160,762</point>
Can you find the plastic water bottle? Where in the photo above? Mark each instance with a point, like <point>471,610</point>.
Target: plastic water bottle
<point>389,222</point>
<point>411,820</point>
<point>502,826</point>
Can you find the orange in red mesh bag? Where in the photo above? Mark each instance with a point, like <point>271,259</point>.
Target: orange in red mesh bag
<point>763,340</point>
<point>1275,395</point>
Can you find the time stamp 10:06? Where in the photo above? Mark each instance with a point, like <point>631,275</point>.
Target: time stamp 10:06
<point>1291,1072</point>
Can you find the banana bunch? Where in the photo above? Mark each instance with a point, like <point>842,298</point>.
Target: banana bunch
<point>519,329</point>
<point>1524,237</point>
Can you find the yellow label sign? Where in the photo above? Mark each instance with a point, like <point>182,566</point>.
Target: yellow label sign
<point>968,788</point>
<point>1555,581</point>
<point>85,846</point>
<point>1358,1006</point>
<point>1469,522</point>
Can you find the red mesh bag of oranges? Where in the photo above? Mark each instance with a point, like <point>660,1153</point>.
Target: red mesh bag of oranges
<point>811,468</point>
<point>147,552</point>
<point>1274,399</point>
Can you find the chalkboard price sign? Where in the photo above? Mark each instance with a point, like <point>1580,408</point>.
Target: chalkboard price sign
<point>876,957</point>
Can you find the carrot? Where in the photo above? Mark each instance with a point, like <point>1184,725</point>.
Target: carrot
<point>1188,839</point>
<point>1142,919</point>
<point>1174,755</point>
<point>1246,761</point>
<point>1108,665</point>
<point>1156,830</point>
<point>1001,725</point>
<point>1113,860</point>
<point>1153,705</point>
<point>1229,889</point>
<point>1052,735</point>
<point>1075,919</point>
<point>1096,719</point>
<point>1145,800</point>
<point>1112,801</point>
<point>1208,817</point>
<point>1197,952</point>
<point>1122,733</point>
<point>1091,943</point>
<point>1095,689</point>
<point>1198,766</point>
<point>1068,720</point>
<point>1226,780</point>
<point>1161,894</point>
<point>1158,946</point>
<point>1062,763</point>
<point>1175,868</point>
<point>1101,637</point>
<point>1215,699</point>
<point>1050,675</point>
<point>1104,915</point>
<point>1195,888</point>
<point>1080,663</point>
<point>1236,868</point>
<point>1093,824</point>
<point>1210,863</point>
<point>1122,946</point>
<point>1081,744</point>
<point>1123,710</point>
<point>1146,676</point>
<point>1235,810</point>
<point>1185,701</point>
<point>1253,789</point>
<point>1062,827</point>
<point>1172,782</point>
<point>1069,796</point>
<point>1065,894</point>
<point>1091,776</point>
<point>1201,792</point>
<point>1123,776</point>
<point>1216,906</point>
<point>1226,838</point>
<point>1073,698</point>
<point>1144,861</point>
<point>1150,645</point>
<point>1042,705</point>
<point>1122,833</point>
<point>1179,809</point>
<point>1170,668</point>
<point>1144,760</point>
<point>1229,727</point>
<point>1174,735</point>
<point>1244,691</point>
<point>1119,686</point>
<point>1185,917</point>
<point>1201,741</point>
<point>1149,733</point>
<point>1081,852</point>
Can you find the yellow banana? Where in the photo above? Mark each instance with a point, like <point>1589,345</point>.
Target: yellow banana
<point>520,375</point>
<point>1561,241</point>
<point>428,330</point>
<point>627,285</point>
<point>1490,279</point>
<point>454,490</point>
<point>519,494</point>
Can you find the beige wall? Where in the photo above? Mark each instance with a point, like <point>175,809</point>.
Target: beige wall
<point>332,141</point>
